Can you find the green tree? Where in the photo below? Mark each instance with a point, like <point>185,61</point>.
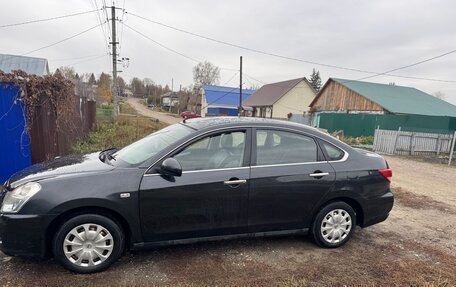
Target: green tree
<point>92,79</point>
<point>315,80</point>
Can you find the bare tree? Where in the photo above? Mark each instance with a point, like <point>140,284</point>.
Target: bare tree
<point>205,73</point>
<point>68,72</point>
<point>439,95</point>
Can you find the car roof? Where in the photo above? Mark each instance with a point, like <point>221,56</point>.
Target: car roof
<point>216,122</point>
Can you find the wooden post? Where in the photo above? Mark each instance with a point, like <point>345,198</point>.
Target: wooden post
<point>438,144</point>
<point>398,134</point>
<point>452,148</point>
<point>412,144</point>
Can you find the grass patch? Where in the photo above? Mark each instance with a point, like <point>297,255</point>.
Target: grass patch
<point>110,132</point>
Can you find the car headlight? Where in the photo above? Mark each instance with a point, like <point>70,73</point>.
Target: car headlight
<point>15,199</point>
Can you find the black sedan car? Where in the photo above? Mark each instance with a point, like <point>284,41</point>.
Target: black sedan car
<point>201,179</point>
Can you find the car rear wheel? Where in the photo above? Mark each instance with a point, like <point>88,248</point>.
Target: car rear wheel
<point>88,243</point>
<point>334,224</point>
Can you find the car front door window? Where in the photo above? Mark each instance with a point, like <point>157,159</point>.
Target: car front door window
<point>225,150</point>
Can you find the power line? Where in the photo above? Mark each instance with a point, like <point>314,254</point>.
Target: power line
<point>55,43</point>
<point>86,60</point>
<point>92,2</point>
<point>174,51</point>
<point>122,29</point>
<point>411,65</point>
<point>47,19</point>
<point>297,59</point>
<point>61,41</point>
<point>161,45</point>
<point>105,11</point>
<point>75,58</point>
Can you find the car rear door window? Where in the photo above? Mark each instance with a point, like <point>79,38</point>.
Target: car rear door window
<point>332,152</point>
<point>282,147</point>
<point>225,150</point>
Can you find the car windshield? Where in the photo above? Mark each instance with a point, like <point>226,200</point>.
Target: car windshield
<point>147,147</point>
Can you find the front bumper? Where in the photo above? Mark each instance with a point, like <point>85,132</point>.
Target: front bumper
<point>24,235</point>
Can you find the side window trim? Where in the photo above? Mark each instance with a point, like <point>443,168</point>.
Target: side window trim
<point>245,162</point>
<point>253,162</point>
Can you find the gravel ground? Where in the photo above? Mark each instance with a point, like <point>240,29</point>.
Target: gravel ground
<point>414,247</point>
<point>145,111</point>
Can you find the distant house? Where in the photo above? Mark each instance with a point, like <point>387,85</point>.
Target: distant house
<point>126,93</point>
<point>347,96</point>
<point>30,65</point>
<point>222,101</point>
<point>278,100</point>
<point>169,100</point>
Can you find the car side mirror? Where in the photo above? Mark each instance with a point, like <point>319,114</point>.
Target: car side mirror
<point>171,167</point>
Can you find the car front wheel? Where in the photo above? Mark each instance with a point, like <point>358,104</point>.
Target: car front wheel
<point>88,243</point>
<point>334,224</point>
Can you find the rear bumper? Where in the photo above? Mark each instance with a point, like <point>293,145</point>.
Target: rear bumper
<point>24,235</point>
<point>378,209</point>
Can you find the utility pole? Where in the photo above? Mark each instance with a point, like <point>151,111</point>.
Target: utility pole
<point>114,60</point>
<point>240,88</point>
<point>180,99</point>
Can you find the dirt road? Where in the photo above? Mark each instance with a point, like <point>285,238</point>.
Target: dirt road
<point>416,246</point>
<point>145,111</point>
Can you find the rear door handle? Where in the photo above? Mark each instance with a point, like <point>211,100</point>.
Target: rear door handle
<point>235,182</point>
<point>319,174</point>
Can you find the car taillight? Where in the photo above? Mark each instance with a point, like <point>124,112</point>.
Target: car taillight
<point>387,173</point>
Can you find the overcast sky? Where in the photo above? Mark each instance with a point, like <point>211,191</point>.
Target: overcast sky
<point>367,35</point>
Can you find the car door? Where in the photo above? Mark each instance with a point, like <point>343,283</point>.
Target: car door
<point>288,177</point>
<point>211,196</point>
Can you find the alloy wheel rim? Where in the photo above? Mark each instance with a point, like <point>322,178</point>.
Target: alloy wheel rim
<point>336,226</point>
<point>88,245</point>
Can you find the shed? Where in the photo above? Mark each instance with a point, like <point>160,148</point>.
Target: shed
<point>278,100</point>
<point>348,96</point>
<point>222,101</point>
<point>30,65</point>
<point>358,108</point>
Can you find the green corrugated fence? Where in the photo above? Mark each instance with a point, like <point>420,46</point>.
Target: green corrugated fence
<point>356,125</point>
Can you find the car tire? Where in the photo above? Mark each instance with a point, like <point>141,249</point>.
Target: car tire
<point>88,243</point>
<point>334,224</point>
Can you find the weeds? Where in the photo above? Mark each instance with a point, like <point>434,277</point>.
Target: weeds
<point>117,133</point>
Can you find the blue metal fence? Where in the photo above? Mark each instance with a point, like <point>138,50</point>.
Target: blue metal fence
<point>14,138</point>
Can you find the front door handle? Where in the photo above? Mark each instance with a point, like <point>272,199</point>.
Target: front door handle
<point>319,174</point>
<point>235,182</point>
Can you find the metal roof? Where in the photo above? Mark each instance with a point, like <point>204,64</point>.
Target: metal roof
<point>399,99</point>
<point>268,94</point>
<point>228,96</point>
<point>30,65</point>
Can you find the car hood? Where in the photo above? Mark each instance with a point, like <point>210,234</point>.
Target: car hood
<point>59,166</point>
